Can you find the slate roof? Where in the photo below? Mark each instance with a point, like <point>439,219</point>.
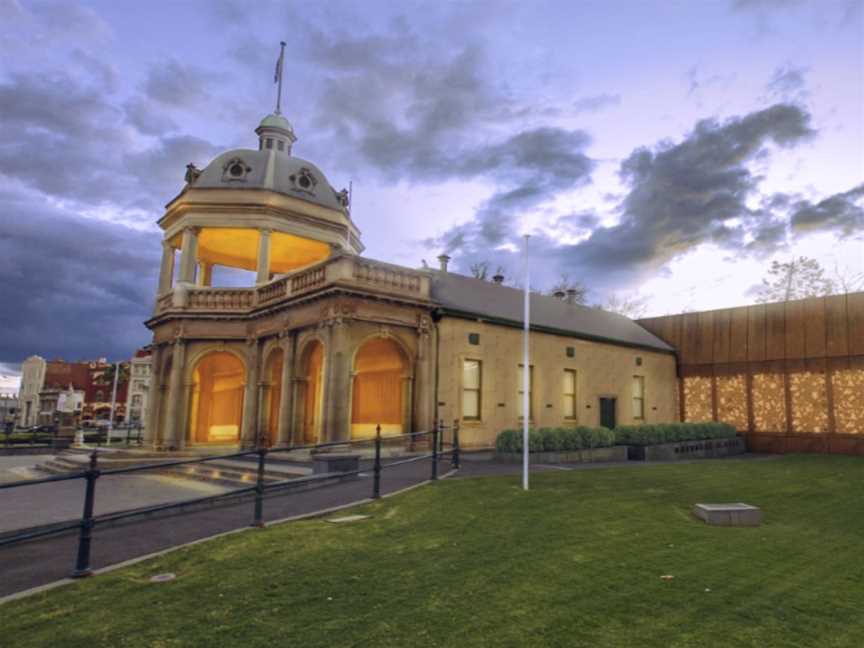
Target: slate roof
<point>461,295</point>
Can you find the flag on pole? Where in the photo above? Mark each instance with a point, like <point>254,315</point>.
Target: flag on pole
<point>278,75</point>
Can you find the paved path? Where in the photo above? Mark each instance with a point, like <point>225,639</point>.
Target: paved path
<point>40,562</point>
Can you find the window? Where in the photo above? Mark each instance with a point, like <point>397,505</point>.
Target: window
<point>569,404</point>
<point>474,338</point>
<point>280,145</point>
<point>269,143</point>
<point>471,387</point>
<point>571,352</point>
<point>136,401</point>
<point>521,392</point>
<point>638,397</point>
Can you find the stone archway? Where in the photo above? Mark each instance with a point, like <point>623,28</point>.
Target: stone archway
<point>216,406</point>
<point>272,396</point>
<point>379,390</point>
<point>310,397</point>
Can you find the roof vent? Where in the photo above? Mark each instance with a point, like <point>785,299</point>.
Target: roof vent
<point>443,259</point>
<point>559,294</point>
<point>498,279</point>
<point>571,295</point>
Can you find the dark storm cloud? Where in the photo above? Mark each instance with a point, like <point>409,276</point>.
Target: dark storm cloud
<point>788,83</point>
<point>681,195</point>
<point>71,285</point>
<point>178,85</point>
<point>596,103</point>
<point>843,212</point>
<point>147,117</point>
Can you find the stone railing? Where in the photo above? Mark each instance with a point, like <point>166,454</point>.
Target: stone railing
<point>273,291</point>
<point>220,299</point>
<point>344,271</point>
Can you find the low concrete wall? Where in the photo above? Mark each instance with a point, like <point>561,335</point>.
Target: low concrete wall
<point>688,450</point>
<point>615,453</point>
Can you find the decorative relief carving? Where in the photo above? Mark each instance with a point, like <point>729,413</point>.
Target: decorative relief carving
<point>809,399</point>
<point>769,403</point>
<point>697,399</point>
<point>848,389</point>
<point>732,401</point>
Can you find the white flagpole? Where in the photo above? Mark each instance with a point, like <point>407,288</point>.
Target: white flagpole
<point>113,403</point>
<point>526,373</point>
<point>279,65</point>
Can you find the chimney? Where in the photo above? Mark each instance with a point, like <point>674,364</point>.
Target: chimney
<point>560,294</point>
<point>571,295</point>
<point>498,279</point>
<point>443,260</point>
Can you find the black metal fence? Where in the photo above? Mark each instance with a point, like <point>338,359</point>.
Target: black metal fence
<point>438,447</point>
<point>49,436</point>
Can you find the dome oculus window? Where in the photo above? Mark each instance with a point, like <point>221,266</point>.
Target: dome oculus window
<point>235,170</point>
<point>303,180</point>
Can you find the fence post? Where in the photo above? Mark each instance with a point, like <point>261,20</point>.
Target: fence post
<point>259,490</point>
<point>435,433</point>
<point>456,444</point>
<point>376,467</point>
<point>82,562</point>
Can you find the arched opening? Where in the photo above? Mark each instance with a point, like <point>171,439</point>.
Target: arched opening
<point>272,395</point>
<point>312,385</point>
<point>216,408</point>
<point>378,395</point>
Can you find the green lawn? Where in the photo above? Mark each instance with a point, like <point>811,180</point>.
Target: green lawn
<point>576,561</point>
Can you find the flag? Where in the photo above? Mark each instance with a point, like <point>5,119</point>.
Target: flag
<point>278,74</point>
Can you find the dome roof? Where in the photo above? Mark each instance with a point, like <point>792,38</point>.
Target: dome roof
<point>273,171</point>
<point>276,121</point>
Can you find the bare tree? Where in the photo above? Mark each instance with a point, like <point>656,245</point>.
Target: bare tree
<point>631,306</point>
<point>480,270</point>
<point>847,281</point>
<point>794,279</point>
<point>565,284</point>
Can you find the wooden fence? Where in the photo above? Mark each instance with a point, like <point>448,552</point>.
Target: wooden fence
<point>789,375</point>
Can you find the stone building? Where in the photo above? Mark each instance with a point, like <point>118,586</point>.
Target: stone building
<point>328,344</point>
<point>8,409</point>
<point>32,380</point>
<point>139,386</point>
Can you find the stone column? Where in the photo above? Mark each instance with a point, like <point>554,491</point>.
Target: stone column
<point>337,413</point>
<point>263,256</point>
<point>286,401</point>
<point>151,417</point>
<point>173,432</point>
<point>424,379</point>
<point>249,432</point>
<point>188,255</point>
<point>166,270</point>
<point>205,274</point>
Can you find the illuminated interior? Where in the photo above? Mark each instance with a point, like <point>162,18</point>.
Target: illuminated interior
<point>273,395</point>
<point>312,387</point>
<point>238,248</point>
<point>216,409</point>
<point>377,397</point>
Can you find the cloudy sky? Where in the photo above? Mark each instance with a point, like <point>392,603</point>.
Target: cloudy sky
<point>664,150</point>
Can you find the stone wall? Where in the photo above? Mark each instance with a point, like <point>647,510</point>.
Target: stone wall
<point>602,370</point>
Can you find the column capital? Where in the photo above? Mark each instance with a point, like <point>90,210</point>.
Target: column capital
<point>195,230</point>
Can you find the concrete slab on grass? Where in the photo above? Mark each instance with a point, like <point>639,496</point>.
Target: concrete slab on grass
<point>734,514</point>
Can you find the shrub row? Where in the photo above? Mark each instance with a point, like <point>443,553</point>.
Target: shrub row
<point>583,438</point>
<point>556,439</point>
<point>654,434</point>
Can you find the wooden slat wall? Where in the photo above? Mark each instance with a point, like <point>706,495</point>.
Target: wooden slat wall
<point>783,338</point>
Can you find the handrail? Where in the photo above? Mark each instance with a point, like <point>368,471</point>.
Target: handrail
<point>261,488</point>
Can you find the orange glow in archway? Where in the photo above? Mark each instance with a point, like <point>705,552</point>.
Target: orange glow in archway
<point>377,397</point>
<point>217,399</point>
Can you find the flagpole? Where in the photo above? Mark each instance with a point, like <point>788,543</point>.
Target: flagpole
<point>279,77</point>
<point>526,373</point>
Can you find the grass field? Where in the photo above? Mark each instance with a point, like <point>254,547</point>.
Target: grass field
<point>577,561</point>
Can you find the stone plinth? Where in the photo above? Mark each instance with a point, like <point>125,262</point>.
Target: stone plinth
<point>737,514</point>
<point>332,462</point>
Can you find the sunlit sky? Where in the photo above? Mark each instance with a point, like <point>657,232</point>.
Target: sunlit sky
<point>665,151</point>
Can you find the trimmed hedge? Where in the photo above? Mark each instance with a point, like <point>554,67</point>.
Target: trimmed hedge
<point>556,439</point>
<point>655,434</point>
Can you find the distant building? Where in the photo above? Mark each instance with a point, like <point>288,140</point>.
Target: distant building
<point>32,380</point>
<point>84,388</point>
<point>8,408</point>
<point>139,386</point>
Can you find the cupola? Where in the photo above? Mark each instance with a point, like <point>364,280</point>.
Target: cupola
<point>275,133</point>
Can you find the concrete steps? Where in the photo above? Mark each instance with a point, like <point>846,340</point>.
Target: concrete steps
<point>236,473</point>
